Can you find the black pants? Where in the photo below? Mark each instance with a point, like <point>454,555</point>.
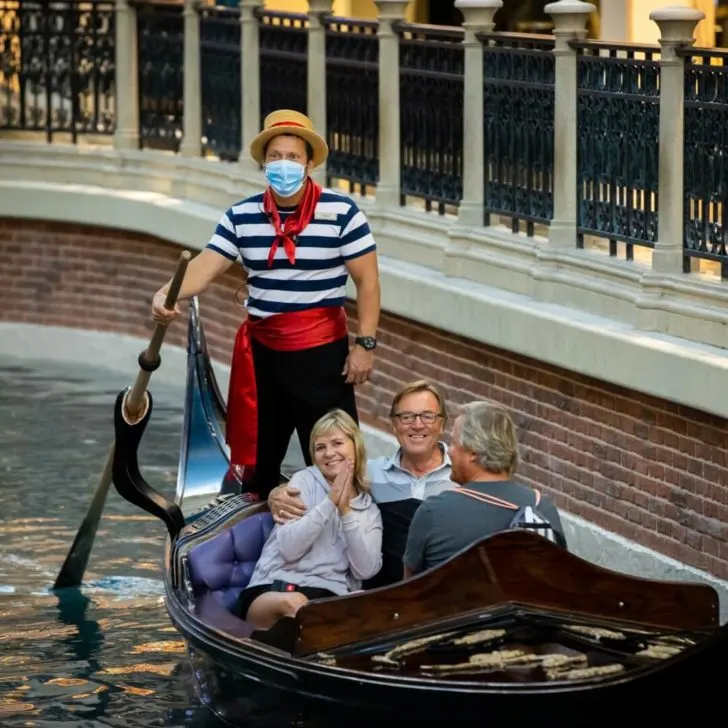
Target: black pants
<point>295,389</point>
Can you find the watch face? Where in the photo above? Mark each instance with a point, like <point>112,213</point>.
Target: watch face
<point>368,342</point>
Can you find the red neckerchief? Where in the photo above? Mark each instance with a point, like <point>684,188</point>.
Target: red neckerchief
<point>295,224</point>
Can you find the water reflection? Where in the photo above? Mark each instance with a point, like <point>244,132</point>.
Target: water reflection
<point>105,655</point>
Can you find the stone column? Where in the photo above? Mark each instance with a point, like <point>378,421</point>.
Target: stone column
<point>389,185</point>
<point>126,135</point>
<point>478,16</point>
<point>570,17</point>
<point>250,80</point>
<point>192,123</point>
<point>677,26</point>
<point>316,95</point>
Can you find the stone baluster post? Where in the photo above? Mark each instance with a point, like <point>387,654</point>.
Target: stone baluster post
<point>126,135</point>
<point>570,17</point>
<point>389,185</point>
<point>316,84</point>
<point>677,25</point>
<point>250,80</point>
<point>478,16</point>
<point>192,92</point>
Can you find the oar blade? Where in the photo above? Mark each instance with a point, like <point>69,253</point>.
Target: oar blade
<point>74,567</point>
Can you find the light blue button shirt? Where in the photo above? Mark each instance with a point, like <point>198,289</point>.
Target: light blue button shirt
<point>390,482</point>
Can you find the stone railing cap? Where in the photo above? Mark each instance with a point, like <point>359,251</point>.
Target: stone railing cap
<point>570,7</point>
<point>467,4</point>
<point>677,12</point>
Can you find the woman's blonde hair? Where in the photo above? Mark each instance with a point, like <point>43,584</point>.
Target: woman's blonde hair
<point>339,420</point>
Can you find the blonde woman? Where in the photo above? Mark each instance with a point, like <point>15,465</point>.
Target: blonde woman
<point>331,549</point>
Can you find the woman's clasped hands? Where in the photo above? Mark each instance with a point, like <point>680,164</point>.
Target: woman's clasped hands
<point>342,489</point>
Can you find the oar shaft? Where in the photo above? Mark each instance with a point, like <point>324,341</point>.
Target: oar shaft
<point>72,571</point>
<point>150,356</point>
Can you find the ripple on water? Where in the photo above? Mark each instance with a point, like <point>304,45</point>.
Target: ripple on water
<point>107,654</point>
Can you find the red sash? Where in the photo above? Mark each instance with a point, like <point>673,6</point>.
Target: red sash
<point>282,332</point>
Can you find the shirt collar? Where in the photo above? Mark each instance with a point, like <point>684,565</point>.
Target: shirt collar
<point>395,460</point>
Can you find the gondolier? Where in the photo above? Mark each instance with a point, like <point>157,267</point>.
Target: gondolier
<point>298,244</point>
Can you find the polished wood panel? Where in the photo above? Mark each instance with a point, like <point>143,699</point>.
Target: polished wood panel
<point>515,567</point>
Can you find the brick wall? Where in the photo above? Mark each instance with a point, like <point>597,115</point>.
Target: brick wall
<point>647,469</point>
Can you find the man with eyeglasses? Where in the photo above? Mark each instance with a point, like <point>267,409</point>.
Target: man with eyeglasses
<point>418,469</point>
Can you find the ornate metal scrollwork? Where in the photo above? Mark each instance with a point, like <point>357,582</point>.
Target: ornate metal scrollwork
<point>518,105</point>
<point>352,100</point>
<point>160,43</point>
<point>431,100</point>
<point>283,62</point>
<point>705,211</point>
<point>57,67</point>
<point>618,143</point>
<point>221,82</point>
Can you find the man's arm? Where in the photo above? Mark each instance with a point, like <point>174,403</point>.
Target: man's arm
<point>207,265</point>
<point>285,504</point>
<point>364,271</point>
<point>359,252</point>
<point>219,254</point>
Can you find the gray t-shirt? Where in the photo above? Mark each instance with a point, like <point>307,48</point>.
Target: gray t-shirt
<point>447,523</point>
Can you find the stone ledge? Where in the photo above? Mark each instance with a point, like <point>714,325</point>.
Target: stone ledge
<point>596,346</point>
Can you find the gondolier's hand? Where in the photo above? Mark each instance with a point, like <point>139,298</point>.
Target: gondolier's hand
<point>160,314</point>
<point>358,366</point>
<point>285,505</point>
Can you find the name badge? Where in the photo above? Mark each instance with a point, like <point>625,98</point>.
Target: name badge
<point>325,216</point>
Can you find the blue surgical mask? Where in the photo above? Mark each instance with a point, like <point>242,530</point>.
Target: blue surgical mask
<point>285,177</point>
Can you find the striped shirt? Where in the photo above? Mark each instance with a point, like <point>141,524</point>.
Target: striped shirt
<point>338,232</point>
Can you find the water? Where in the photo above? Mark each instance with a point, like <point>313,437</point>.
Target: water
<point>105,655</point>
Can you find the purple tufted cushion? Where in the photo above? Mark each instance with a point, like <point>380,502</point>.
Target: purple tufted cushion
<point>224,564</point>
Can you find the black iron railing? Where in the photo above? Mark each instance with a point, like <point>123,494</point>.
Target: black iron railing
<point>705,208</point>
<point>352,101</point>
<point>283,61</point>
<point>160,48</point>
<point>431,114</point>
<point>57,67</point>
<point>518,105</point>
<point>221,81</point>
<point>618,143</point>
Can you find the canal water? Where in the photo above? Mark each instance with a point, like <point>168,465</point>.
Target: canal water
<point>105,655</point>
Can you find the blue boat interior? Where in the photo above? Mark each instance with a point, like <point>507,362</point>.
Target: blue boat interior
<point>222,566</point>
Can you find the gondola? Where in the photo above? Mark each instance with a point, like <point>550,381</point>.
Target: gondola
<point>512,631</point>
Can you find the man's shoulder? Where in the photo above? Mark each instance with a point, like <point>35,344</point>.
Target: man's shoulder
<point>253,204</point>
<point>338,201</point>
<point>376,465</point>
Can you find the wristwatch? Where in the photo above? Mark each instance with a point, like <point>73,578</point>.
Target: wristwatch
<point>366,342</point>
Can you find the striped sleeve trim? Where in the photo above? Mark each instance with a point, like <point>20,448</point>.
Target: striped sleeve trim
<point>356,237</point>
<point>224,240</point>
<point>371,249</point>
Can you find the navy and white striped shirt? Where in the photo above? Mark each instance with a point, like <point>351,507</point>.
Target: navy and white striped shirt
<point>338,232</point>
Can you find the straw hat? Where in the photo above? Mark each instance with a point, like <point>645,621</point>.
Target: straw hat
<point>286,121</point>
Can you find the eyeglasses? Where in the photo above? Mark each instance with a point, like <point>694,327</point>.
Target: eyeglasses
<point>427,417</point>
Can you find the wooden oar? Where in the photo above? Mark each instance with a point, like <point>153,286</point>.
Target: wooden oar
<point>72,571</point>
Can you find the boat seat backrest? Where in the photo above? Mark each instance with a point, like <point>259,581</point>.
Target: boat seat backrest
<point>224,564</point>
